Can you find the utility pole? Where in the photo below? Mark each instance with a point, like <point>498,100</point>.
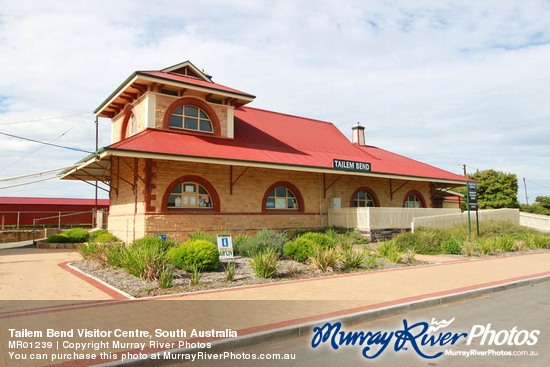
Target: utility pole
<point>525,186</point>
<point>96,148</point>
<point>464,170</point>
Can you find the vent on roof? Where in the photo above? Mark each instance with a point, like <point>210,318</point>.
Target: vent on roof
<point>358,136</point>
<point>186,71</point>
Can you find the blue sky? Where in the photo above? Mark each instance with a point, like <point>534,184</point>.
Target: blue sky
<point>444,82</point>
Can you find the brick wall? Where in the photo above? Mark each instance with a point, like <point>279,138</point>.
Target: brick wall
<point>240,207</point>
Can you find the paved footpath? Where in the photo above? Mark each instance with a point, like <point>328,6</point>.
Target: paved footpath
<point>64,301</point>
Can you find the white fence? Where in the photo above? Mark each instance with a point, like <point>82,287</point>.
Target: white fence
<point>367,219</point>
<point>451,220</point>
<point>536,221</point>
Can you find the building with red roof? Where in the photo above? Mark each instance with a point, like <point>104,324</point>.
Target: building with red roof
<point>187,154</point>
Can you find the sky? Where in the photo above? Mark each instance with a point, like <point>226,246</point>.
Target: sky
<point>444,82</point>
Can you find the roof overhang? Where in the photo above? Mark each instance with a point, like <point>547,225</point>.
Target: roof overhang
<point>96,167</point>
<point>140,82</point>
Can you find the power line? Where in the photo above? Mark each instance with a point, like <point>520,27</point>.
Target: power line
<point>37,173</point>
<point>44,119</point>
<point>43,142</point>
<point>27,183</point>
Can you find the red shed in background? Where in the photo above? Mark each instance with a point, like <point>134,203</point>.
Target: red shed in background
<point>21,211</point>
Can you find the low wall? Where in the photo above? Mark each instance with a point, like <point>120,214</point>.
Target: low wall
<point>451,220</point>
<point>369,219</point>
<point>536,221</point>
<point>25,234</point>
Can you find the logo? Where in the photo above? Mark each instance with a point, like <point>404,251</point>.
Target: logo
<point>417,337</point>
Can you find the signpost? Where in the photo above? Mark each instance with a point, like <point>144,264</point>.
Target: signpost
<point>225,248</point>
<point>471,194</point>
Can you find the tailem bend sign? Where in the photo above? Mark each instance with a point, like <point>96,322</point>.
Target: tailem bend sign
<point>351,165</point>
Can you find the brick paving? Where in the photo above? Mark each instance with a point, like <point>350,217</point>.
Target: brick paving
<point>37,294</point>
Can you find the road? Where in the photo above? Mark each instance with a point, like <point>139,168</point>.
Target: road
<point>525,308</point>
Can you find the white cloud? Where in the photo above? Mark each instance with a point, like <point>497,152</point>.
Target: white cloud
<point>443,82</point>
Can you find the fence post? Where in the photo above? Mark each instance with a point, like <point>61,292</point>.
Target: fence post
<point>3,218</point>
<point>33,224</point>
<point>59,222</point>
<point>18,216</point>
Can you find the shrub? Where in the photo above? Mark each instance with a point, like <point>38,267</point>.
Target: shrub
<point>324,258</point>
<point>390,251</point>
<point>469,248</point>
<point>145,262</point>
<point>352,259</point>
<point>195,253</point>
<point>94,234</point>
<point>166,276</point>
<point>77,235</point>
<point>423,241</point>
<point>57,238</point>
<point>538,240</point>
<point>195,271</point>
<point>319,239</point>
<point>239,242</point>
<point>300,249</point>
<point>154,243</point>
<point>261,241</point>
<point>93,252</point>
<point>370,262</point>
<point>408,257</point>
<point>229,271</point>
<point>451,246</point>
<point>266,263</point>
<point>115,254</point>
<point>105,238</point>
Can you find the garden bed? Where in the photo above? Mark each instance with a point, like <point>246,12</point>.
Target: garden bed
<point>244,276</point>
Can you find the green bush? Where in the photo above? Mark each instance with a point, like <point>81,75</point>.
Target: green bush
<point>94,234</point>
<point>319,239</point>
<point>451,246</point>
<point>77,235</point>
<point>266,263</point>
<point>115,254</point>
<point>57,238</point>
<point>195,253</point>
<point>239,244</point>
<point>260,242</point>
<point>324,258</point>
<point>538,240</point>
<point>390,251</point>
<point>300,249</point>
<point>370,262</point>
<point>166,276</point>
<point>154,243</point>
<point>105,238</point>
<point>92,252</point>
<point>423,241</point>
<point>145,262</point>
<point>352,259</point>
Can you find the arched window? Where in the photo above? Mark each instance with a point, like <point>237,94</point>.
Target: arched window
<point>190,118</point>
<point>191,115</point>
<point>414,199</point>
<point>363,197</point>
<point>129,125</point>
<point>191,193</point>
<point>283,197</point>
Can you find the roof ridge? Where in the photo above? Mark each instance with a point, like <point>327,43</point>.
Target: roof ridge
<point>287,114</point>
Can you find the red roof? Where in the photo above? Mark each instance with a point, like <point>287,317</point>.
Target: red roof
<point>193,81</point>
<point>52,201</point>
<point>275,138</point>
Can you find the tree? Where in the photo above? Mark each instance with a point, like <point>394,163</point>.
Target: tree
<point>540,206</point>
<point>496,189</point>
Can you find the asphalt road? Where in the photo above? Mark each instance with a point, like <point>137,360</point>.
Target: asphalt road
<point>526,309</point>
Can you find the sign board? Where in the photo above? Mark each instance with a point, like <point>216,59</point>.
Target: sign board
<point>351,165</point>
<point>225,248</point>
<point>163,236</point>
<point>472,195</point>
